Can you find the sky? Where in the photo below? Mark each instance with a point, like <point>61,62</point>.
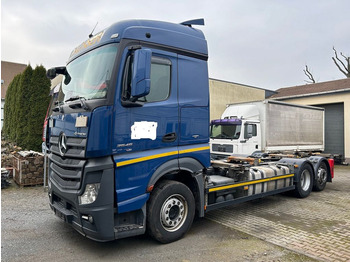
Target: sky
<point>261,43</point>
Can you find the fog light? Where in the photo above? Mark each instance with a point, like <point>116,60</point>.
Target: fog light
<point>88,218</point>
<point>90,194</point>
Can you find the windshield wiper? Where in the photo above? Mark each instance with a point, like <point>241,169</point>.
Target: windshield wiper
<point>82,102</point>
<point>73,98</point>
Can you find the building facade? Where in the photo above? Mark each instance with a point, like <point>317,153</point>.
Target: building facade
<point>223,93</point>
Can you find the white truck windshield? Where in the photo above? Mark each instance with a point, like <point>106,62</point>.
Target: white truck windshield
<point>225,131</point>
<point>90,74</point>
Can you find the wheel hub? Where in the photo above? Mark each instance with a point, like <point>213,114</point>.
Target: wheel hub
<point>322,175</point>
<point>305,180</point>
<point>173,212</point>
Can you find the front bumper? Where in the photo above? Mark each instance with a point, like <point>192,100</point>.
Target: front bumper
<point>64,202</point>
<point>101,229</point>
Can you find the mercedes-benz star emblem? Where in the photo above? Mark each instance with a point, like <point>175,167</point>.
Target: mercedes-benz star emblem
<point>62,144</point>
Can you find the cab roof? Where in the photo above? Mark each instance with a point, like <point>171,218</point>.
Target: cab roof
<point>179,36</point>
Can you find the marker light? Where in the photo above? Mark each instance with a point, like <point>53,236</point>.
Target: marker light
<point>90,194</point>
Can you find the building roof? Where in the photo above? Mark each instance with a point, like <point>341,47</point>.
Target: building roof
<point>8,71</point>
<point>342,85</point>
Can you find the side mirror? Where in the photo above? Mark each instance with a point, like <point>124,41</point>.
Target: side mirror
<point>141,73</point>
<point>248,132</point>
<point>53,72</point>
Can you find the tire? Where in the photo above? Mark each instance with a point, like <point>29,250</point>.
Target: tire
<point>320,177</point>
<point>304,186</point>
<point>170,211</point>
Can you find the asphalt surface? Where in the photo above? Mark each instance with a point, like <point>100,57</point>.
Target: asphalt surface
<point>31,232</point>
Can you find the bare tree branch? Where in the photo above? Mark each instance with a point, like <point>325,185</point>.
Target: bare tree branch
<point>336,56</point>
<point>346,58</point>
<point>336,60</point>
<point>309,75</point>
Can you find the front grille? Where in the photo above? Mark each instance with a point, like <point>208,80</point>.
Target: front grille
<point>75,146</point>
<point>222,148</point>
<point>67,172</point>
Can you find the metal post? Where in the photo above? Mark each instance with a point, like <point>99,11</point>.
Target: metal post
<point>45,157</point>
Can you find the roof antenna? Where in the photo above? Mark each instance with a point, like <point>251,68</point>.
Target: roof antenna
<point>91,35</point>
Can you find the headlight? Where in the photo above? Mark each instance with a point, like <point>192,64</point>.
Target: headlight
<point>90,194</point>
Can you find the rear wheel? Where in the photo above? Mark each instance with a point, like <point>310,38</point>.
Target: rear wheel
<point>304,186</point>
<point>170,211</point>
<point>321,177</point>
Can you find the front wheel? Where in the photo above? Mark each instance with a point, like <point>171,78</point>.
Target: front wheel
<point>170,211</point>
<point>321,177</point>
<point>304,186</point>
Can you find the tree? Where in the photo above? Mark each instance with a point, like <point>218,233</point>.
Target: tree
<point>343,67</point>
<point>38,100</point>
<point>23,106</point>
<point>9,128</point>
<point>7,110</point>
<point>26,102</point>
<point>309,75</point>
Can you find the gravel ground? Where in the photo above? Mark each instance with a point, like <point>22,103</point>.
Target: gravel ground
<point>31,232</point>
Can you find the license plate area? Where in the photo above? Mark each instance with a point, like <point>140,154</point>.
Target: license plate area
<point>61,215</point>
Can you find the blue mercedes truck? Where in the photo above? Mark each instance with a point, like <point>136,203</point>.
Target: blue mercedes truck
<point>128,138</point>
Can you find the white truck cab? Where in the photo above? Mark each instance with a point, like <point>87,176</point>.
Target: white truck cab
<point>238,131</point>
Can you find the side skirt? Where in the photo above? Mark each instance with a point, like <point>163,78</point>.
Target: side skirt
<point>247,198</point>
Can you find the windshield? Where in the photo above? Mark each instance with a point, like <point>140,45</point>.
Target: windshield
<point>89,75</point>
<point>225,131</point>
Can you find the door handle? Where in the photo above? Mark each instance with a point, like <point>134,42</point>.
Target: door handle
<point>170,137</point>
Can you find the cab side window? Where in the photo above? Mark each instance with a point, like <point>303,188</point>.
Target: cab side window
<point>250,131</point>
<point>160,80</point>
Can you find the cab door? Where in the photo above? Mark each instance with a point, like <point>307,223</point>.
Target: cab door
<point>146,129</point>
<point>250,141</point>
<point>153,124</point>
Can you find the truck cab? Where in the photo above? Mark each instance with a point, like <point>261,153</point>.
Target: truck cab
<point>237,132</point>
<point>134,110</point>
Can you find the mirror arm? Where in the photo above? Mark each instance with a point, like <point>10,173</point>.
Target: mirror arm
<point>135,47</point>
<point>128,103</point>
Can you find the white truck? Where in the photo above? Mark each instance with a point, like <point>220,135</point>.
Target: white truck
<point>267,126</point>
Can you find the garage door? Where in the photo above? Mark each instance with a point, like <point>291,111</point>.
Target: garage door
<point>334,128</point>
